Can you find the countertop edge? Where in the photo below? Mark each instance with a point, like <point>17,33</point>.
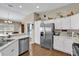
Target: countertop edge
<point>15,38</point>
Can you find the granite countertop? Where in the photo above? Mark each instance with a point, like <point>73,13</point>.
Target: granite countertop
<point>18,37</point>
<point>62,36</point>
<point>75,39</point>
<point>3,35</point>
<point>13,40</point>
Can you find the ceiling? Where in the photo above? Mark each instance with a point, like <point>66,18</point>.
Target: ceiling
<point>23,9</point>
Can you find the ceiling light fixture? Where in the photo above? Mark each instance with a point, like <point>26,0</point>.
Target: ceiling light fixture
<point>5,21</point>
<point>20,6</point>
<point>8,21</point>
<point>37,6</point>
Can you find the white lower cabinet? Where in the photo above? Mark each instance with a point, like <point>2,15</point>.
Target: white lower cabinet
<point>63,44</point>
<point>11,50</point>
<point>58,43</point>
<point>68,45</point>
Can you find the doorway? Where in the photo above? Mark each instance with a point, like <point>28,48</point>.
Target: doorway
<point>30,30</point>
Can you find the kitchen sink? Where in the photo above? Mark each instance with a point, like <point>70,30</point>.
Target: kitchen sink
<point>8,40</point>
<point>3,42</point>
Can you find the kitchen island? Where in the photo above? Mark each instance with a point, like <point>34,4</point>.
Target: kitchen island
<point>14,46</point>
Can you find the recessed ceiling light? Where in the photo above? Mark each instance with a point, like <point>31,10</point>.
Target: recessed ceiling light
<point>20,6</point>
<point>37,6</point>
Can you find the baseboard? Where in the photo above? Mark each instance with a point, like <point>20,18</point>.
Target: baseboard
<point>36,44</point>
<point>23,52</point>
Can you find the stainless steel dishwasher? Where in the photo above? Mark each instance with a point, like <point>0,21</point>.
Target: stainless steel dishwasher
<point>23,45</point>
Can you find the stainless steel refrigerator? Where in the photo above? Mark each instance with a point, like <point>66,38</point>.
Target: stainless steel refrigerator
<point>46,35</point>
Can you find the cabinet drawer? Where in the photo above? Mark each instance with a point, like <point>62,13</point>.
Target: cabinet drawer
<point>11,50</point>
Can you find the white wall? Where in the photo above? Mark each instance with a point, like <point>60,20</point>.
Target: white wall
<point>29,19</point>
<point>37,32</point>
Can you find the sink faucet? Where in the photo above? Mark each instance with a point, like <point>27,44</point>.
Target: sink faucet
<point>2,39</point>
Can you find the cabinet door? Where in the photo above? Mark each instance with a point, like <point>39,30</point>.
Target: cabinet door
<point>68,45</point>
<point>11,50</point>
<point>58,43</point>
<point>66,23</point>
<point>75,21</point>
<point>61,42</point>
<point>58,23</point>
<point>55,45</point>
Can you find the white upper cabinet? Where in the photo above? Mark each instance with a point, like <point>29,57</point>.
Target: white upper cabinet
<point>58,23</point>
<point>66,23</point>
<point>75,21</point>
<point>71,22</point>
<point>62,23</point>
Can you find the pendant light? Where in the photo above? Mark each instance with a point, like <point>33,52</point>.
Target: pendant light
<point>8,21</point>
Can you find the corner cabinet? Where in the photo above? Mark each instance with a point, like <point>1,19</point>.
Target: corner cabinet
<point>11,50</point>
